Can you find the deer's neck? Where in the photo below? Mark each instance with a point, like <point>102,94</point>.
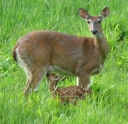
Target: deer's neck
<point>101,45</point>
<point>52,87</point>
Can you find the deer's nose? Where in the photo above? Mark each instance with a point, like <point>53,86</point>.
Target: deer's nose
<point>94,31</point>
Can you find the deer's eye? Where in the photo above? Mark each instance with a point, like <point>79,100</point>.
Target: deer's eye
<point>99,21</point>
<point>88,21</point>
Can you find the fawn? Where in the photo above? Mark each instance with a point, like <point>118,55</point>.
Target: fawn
<point>40,52</point>
<point>66,94</point>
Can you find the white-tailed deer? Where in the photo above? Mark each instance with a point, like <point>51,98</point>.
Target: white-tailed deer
<point>66,94</point>
<point>40,52</point>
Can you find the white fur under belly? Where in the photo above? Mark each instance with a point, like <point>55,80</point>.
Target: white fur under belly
<point>56,69</point>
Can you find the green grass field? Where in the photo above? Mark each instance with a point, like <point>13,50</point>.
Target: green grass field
<point>109,102</point>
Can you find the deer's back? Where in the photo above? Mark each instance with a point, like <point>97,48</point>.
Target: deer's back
<point>61,51</point>
<point>71,91</point>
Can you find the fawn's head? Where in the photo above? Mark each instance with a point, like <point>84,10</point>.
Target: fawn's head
<point>54,78</point>
<point>94,22</point>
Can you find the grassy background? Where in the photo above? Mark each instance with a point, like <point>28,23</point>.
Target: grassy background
<point>109,102</point>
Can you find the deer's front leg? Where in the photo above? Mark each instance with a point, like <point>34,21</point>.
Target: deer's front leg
<point>77,81</point>
<point>84,82</point>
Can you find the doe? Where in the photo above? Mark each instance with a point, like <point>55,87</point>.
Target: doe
<point>40,52</point>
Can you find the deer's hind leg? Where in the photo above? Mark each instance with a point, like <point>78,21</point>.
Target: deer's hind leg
<point>33,80</point>
<point>34,70</point>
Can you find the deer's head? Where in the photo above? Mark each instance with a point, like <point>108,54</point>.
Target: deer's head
<point>94,22</point>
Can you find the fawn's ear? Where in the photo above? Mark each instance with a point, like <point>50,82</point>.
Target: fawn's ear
<point>83,13</point>
<point>63,78</point>
<point>105,12</point>
<point>56,78</point>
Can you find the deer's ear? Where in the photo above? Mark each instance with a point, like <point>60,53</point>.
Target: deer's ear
<point>83,13</point>
<point>63,78</point>
<point>105,12</point>
<point>56,78</point>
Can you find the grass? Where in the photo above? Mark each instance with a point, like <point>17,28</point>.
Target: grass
<point>109,102</point>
